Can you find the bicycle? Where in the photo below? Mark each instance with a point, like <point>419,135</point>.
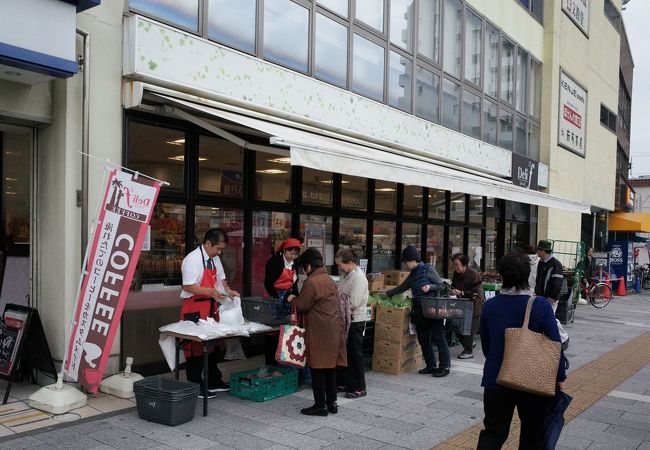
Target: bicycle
<point>598,293</point>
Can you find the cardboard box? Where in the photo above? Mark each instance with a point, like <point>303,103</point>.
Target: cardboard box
<point>397,350</point>
<point>396,333</point>
<point>396,366</point>
<point>392,316</point>
<point>375,281</point>
<point>395,277</point>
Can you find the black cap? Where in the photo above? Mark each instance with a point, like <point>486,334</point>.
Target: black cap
<point>410,253</point>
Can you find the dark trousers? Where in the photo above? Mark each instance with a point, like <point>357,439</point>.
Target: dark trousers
<point>468,341</point>
<point>194,368</point>
<point>353,376</point>
<point>428,329</point>
<point>499,406</point>
<point>323,383</point>
<point>271,347</point>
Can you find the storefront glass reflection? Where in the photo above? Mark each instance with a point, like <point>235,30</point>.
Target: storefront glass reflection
<point>270,229</point>
<point>383,250</point>
<point>435,246</point>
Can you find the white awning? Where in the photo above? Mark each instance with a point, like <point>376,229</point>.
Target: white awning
<point>309,149</point>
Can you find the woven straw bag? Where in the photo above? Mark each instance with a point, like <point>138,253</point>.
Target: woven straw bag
<point>530,360</point>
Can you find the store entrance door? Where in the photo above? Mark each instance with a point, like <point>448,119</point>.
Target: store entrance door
<point>15,207</point>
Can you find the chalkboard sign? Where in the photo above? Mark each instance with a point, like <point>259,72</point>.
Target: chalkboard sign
<point>23,345</point>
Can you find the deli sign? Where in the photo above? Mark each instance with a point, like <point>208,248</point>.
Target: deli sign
<point>524,171</point>
<point>578,12</point>
<point>572,115</point>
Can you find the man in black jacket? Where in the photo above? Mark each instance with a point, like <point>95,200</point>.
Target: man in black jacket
<point>549,272</point>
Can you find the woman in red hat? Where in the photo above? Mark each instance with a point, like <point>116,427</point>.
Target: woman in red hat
<point>280,281</point>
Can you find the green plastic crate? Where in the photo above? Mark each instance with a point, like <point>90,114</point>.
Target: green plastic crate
<point>263,389</point>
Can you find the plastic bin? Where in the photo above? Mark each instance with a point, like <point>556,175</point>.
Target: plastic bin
<point>165,401</point>
<point>445,308</point>
<point>262,389</point>
<point>269,311</point>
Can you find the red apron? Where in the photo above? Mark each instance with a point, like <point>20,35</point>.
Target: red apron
<point>286,279</point>
<point>205,306</point>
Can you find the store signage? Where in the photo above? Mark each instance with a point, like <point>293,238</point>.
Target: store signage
<point>578,12</point>
<point>112,257</point>
<point>524,171</point>
<point>572,115</point>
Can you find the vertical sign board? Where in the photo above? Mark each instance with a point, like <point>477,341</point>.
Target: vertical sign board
<point>572,115</point>
<point>618,258</point>
<point>118,237</point>
<point>578,12</point>
<point>524,171</point>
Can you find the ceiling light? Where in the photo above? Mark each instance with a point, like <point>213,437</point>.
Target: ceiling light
<point>386,189</point>
<point>458,201</point>
<point>331,181</point>
<point>10,153</point>
<point>180,141</point>
<point>283,160</point>
<point>270,171</point>
<point>10,193</point>
<point>418,196</point>
<point>11,179</point>
<point>182,158</point>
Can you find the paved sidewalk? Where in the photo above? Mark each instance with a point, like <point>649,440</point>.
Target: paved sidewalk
<point>408,411</point>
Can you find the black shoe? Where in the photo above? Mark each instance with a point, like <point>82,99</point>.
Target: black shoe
<point>314,411</point>
<point>333,408</point>
<point>220,387</point>
<point>427,370</point>
<point>209,395</point>
<point>440,372</point>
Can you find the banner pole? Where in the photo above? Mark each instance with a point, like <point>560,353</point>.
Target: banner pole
<point>126,169</point>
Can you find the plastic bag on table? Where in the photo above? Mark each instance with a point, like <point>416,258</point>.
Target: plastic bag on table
<point>168,347</point>
<point>230,312</point>
<point>234,349</point>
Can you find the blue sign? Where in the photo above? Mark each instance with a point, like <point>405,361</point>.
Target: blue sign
<point>618,258</point>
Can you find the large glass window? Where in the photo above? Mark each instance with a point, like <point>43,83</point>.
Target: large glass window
<point>505,129</point>
<point>371,12</point>
<point>368,68</point>
<point>522,78</point>
<point>331,51</point>
<point>413,196</point>
<point>270,229</point>
<point>450,104</point>
<point>429,29</point>
<point>157,151</point>
<point>384,242</point>
<point>533,142</point>
<point>232,22</point>
<point>473,45</point>
<point>471,114</point>
<point>507,70</point>
<point>272,178</point>
<point>385,197</point>
<point>401,23</point>
<point>354,193</point>
<point>184,13</point>
<point>162,262</point>
<point>521,137</point>
<point>286,33</point>
<point>437,204</point>
<point>535,96</point>
<point>435,246</point>
<point>489,122</point>
<point>352,234</point>
<point>476,209</point>
<point>16,157</point>
<point>452,16</point>
<point>338,6</point>
<point>457,207</point>
<point>412,235</point>
<point>316,232</point>
<point>232,222</point>
<point>400,77</point>
<point>493,215</point>
<point>427,92</point>
<point>474,249</point>
<point>221,167</point>
<point>455,245</point>
<point>316,187</point>
<point>491,61</point>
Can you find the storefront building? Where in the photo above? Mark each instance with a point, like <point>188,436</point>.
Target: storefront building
<point>456,126</point>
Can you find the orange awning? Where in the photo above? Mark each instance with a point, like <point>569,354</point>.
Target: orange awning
<point>632,222</point>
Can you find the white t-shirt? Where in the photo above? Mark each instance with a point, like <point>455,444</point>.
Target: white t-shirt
<point>192,270</point>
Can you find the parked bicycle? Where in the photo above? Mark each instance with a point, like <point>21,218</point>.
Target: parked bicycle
<point>599,290</point>
<point>642,273</point>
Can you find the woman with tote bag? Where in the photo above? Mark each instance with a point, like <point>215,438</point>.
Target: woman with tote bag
<point>502,321</point>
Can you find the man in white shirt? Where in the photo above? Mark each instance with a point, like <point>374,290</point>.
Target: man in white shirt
<point>204,284</point>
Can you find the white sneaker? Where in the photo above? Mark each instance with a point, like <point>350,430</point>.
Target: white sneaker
<point>582,301</point>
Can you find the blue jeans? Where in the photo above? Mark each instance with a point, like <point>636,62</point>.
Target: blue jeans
<point>280,308</point>
<point>428,329</point>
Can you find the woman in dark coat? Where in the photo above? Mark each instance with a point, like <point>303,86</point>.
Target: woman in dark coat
<point>325,335</point>
<point>467,283</point>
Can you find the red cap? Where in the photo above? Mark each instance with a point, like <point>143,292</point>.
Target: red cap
<point>289,243</point>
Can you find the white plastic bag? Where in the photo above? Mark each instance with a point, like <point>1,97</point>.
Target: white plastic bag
<point>230,313</point>
<point>234,349</point>
<point>168,347</point>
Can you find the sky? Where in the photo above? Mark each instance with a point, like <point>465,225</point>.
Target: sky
<point>635,17</point>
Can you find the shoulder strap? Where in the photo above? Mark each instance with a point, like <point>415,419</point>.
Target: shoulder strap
<point>529,307</point>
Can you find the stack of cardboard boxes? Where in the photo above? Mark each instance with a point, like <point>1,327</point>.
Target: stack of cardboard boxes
<point>395,350</point>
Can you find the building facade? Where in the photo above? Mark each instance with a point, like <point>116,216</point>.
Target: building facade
<point>453,125</point>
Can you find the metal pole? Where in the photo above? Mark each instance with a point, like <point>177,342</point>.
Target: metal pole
<point>85,135</point>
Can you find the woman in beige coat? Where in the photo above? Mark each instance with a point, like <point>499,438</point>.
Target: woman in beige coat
<point>325,341</point>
